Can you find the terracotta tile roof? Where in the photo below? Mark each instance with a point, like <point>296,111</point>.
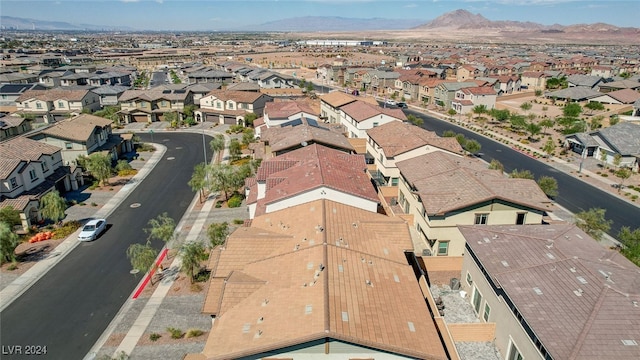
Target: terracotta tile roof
<point>282,138</point>
<point>7,122</point>
<point>316,166</point>
<point>396,138</point>
<point>77,128</point>
<point>18,203</point>
<point>565,285</point>
<point>360,111</point>
<point>285,109</point>
<point>248,97</point>
<point>625,96</point>
<point>480,90</point>
<point>431,83</point>
<point>447,182</point>
<point>315,271</point>
<point>23,148</point>
<point>53,95</point>
<point>338,98</point>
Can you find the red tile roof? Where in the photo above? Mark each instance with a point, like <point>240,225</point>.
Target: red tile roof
<point>360,111</point>
<point>396,138</point>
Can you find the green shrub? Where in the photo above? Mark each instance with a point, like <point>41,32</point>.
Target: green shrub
<point>127,172</point>
<point>218,205</point>
<point>13,266</point>
<point>235,201</point>
<point>94,204</point>
<point>194,333</point>
<point>154,336</point>
<point>238,221</point>
<point>604,175</point>
<point>175,333</point>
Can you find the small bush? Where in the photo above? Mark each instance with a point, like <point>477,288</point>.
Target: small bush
<point>12,267</point>
<point>235,201</point>
<point>604,175</point>
<point>83,203</point>
<point>144,147</point>
<point>154,336</point>
<point>238,221</point>
<point>196,287</point>
<point>194,333</point>
<point>218,205</point>
<point>127,172</point>
<point>175,333</point>
<point>94,204</point>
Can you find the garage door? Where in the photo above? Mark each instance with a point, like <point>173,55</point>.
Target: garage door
<point>139,118</point>
<point>230,120</point>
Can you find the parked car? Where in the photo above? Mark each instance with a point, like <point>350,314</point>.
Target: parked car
<point>390,102</point>
<point>91,230</point>
<point>402,105</point>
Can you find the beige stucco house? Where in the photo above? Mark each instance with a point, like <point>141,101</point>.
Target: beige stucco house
<point>153,104</point>
<point>231,106</point>
<point>359,116</point>
<point>56,104</point>
<point>468,98</point>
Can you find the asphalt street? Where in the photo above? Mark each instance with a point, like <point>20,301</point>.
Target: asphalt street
<point>573,194</point>
<point>71,305</point>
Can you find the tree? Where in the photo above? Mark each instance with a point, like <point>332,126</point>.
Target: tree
<point>593,222</point>
<point>99,166</point>
<point>415,120</point>
<point>248,136</point>
<point>596,122</point>
<point>521,174</point>
<point>594,106</point>
<point>614,119</point>
<point>603,157</point>
<point>549,147</point>
<point>8,243</point>
<point>223,177</point>
<point>472,146</point>
<point>172,119</point>
<point>217,143</point>
<point>10,216</point>
<point>52,206</point>
<point>617,159</point>
<point>533,129</point>
<point>109,112</point>
<point>452,112</point>
<point>235,149</point>
<point>546,124</point>
<point>572,110</point>
<point>142,257</point>
<point>623,174</point>
<point>193,253</point>
<point>526,106</point>
<point>496,165</point>
<point>538,92</point>
<point>218,233</point>
<point>249,118</point>
<point>161,228</point>
<point>548,185</point>
<point>198,179</point>
<point>518,122</point>
<point>479,109</point>
<point>449,133</point>
<point>461,139</point>
<point>631,244</point>
<point>500,115</point>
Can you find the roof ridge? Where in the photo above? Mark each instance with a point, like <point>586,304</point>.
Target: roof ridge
<point>589,323</point>
<point>325,259</point>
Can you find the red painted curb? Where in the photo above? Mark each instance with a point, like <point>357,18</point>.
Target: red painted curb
<point>161,257</point>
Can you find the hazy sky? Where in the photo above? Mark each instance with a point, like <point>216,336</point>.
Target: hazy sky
<point>229,14</point>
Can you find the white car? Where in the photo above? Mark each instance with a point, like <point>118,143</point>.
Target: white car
<point>391,102</point>
<point>92,229</point>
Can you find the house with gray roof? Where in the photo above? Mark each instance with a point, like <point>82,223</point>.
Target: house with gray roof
<point>445,92</point>
<point>588,81</point>
<point>109,94</point>
<point>577,93</point>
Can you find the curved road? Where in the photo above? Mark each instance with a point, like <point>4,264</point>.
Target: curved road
<point>573,194</point>
<point>71,305</point>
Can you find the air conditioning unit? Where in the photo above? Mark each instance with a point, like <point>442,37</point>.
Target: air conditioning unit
<point>426,252</point>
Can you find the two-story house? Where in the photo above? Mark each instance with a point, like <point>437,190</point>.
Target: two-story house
<point>57,104</point>
<point>397,141</point>
<point>109,94</point>
<point>209,75</point>
<point>445,92</point>
<point>271,80</point>
<point>13,125</point>
<point>468,98</point>
<point>442,190</point>
<point>468,72</point>
<point>426,91</point>
<point>534,80</point>
<point>151,105</point>
<point>360,116</point>
<point>230,107</point>
<point>277,113</point>
<point>299,133</point>
<point>10,92</point>
<point>28,170</point>
<point>407,86</point>
<point>83,135</point>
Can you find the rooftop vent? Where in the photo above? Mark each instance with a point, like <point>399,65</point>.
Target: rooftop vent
<point>537,291</point>
<point>572,269</point>
<point>340,268</point>
<point>578,292</point>
<point>260,320</point>
<point>265,302</point>
<point>369,283</point>
<point>550,256</point>
<point>581,279</point>
<point>308,309</point>
<point>412,327</point>
<point>486,240</point>
<point>258,334</point>
<point>504,263</point>
<point>310,265</point>
<point>629,343</point>
<point>246,327</point>
<point>397,279</point>
<point>345,316</point>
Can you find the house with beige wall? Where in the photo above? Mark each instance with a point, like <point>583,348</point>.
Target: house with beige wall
<point>468,98</point>
<point>552,291</point>
<point>331,103</point>
<point>396,141</point>
<point>534,80</point>
<point>442,190</point>
<point>152,105</point>
<point>231,106</point>
<point>57,104</point>
<point>359,116</point>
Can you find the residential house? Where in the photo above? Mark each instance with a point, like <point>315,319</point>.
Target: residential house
<point>83,135</point>
<point>210,76</point>
<point>619,85</point>
<point>621,139</point>
<point>359,116</point>
<point>199,90</point>
<point>534,80</point>
<point>18,78</point>
<point>74,79</point>
<point>151,105</point>
<point>636,108</point>
<point>277,113</point>
<point>301,132</point>
<point>506,84</point>
<point>468,98</point>
<point>113,78</point>
<point>445,92</point>
<point>53,78</point>
<point>426,92</point>
<point>230,107</point>
<point>109,95</point>
<point>310,173</point>
<point>552,291</point>
<point>272,80</point>
<point>331,103</point>
<point>407,86</point>
<point>57,104</point>
<point>397,141</point>
<point>441,191</point>
<point>13,125</point>
<point>603,71</point>
<point>319,280</point>
<point>588,81</point>
<point>9,93</point>
<point>623,96</point>
<point>28,170</point>
<point>467,73</point>
<point>380,82</point>
<point>576,94</point>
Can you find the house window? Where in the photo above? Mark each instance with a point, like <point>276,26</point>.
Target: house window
<point>33,175</point>
<point>68,145</point>
<point>477,300</point>
<point>394,181</point>
<point>45,167</point>
<point>14,183</point>
<point>218,105</point>
<point>482,219</point>
<point>381,158</point>
<point>443,247</point>
<point>375,124</point>
<point>26,105</point>
<point>38,105</point>
<point>487,312</point>
<point>143,104</point>
<point>163,103</point>
<point>60,104</point>
<point>469,279</point>
<point>520,218</point>
<point>401,198</point>
<point>514,353</point>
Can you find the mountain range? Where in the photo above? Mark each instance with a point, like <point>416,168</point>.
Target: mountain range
<point>455,20</point>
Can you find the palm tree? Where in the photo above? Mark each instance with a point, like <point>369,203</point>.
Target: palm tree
<point>217,144</point>
<point>193,253</point>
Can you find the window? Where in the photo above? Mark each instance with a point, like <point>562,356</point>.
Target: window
<point>163,103</point>
<point>38,105</point>
<point>68,145</point>
<point>477,300</point>
<point>375,124</point>
<point>381,158</point>
<point>443,247</point>
<point>394,181</point>
<point>33,175</point>
<point>143,104</point>
<point>218,105</point>
<point>482,219</point>
<point>60,104</point>
<point>514,353</point>
<point>14,183</point>
<point>487,311</point>
<point>469,279</point>
<point>44,166</point>
<point>520,218</point>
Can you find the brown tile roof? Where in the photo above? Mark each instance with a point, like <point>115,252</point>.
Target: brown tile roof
<point>480,90</point>
<point>315,271</point>
<point>282,138</point>
<point>285,109</point>
<point>625,96</point>
<point>580,299</point>
<point>338,98</point>
<point>77,128</point>
<point>360,111</point>
<point>447,182</point>
<point>53,95</point>
<point>155,94</point>
<point>11,121</point>
<point>396,138</point>
<point>8,165</point>
<point>23,148</point>
<point>248,97</point>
